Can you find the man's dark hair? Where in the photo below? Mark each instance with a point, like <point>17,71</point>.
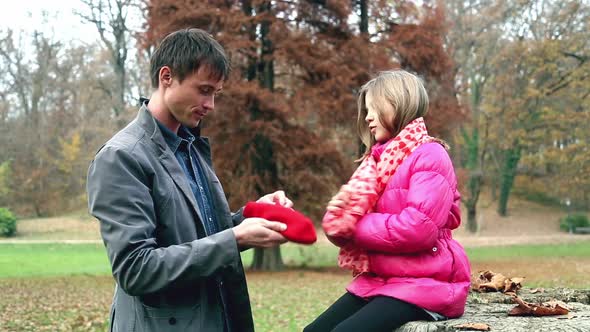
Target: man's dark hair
<point>185,51</point>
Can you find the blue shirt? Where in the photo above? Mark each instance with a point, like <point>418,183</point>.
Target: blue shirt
<point>186,154</point>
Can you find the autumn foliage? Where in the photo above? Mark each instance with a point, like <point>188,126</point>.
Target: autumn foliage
<point>287,116</point>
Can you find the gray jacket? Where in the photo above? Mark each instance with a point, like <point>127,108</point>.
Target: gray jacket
<point>165,268</point>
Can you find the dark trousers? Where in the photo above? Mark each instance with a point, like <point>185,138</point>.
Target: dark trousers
<point>352,313</point>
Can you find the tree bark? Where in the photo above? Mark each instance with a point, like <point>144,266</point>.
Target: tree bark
<point>263,161</point>
<point>269,259</point>
<point>475,179</point>
<point>364,19</point>
<point>511,159</point>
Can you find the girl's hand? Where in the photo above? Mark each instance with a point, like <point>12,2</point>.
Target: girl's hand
<point>339,201</point>
<point>338,241</point>
<point>278,197</point>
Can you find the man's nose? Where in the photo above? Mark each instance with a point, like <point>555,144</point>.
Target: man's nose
<point>210,102</point>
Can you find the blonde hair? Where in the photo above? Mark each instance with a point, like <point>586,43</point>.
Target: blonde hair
<point>402,91</point>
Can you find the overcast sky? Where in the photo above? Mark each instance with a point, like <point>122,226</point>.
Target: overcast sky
<point>61,23</point>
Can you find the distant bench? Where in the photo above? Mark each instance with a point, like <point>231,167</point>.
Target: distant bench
<point>582,230</point>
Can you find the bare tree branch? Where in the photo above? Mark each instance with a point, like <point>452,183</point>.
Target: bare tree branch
<point>110,19</point>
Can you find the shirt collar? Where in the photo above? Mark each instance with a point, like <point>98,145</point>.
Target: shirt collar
<point>194,132</point>
<point>172,139</point>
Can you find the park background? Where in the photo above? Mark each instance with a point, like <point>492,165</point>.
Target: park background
<point>509,86</point>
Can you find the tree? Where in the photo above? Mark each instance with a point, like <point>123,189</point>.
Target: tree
<point>290,106</point>
<point>28,82</point>
<point>476,32</point>
<point>110,17</point>
<point>254,110</point>
<point>537,98</point>
<point>50,109</point>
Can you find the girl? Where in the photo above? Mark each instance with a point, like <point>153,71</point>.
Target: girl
<point>394,217</point>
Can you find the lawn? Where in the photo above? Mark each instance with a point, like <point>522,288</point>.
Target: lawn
<point>42,260</point>
<point>57,259</point>
<point>66,287</point>
<point>77,225</point>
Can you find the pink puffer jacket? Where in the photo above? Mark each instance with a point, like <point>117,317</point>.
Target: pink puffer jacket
<point>408,237</point>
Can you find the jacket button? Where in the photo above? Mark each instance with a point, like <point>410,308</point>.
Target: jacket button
<point>172,321</point>
<point>434,249</point>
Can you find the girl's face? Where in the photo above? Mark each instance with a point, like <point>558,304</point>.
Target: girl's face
<point>377,129</point>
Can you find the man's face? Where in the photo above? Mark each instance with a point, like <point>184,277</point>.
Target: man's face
<point>189,101</point>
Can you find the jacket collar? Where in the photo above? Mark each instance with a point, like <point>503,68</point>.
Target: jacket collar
<point>147,121</point>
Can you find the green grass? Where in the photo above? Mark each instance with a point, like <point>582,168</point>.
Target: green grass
<point>325,255</point>
<point>36,260</point>
<point>41,260</point>
<point>302,256</point>
<point>68,287</point>
<point>577,249</point>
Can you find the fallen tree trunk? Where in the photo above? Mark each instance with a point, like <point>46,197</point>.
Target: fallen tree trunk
<point>492,309</point>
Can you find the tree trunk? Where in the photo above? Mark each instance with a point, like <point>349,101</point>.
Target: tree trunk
<point>113,14</point>
<point>263,161</point>
<point>511,159</point>
<point>364,30</point>
<point>364,19</point>
<point>472,225</point>
<point>119,102</point>
<point>475,179</point>
<point>476,151</point>
<point>269,259</point>
<point>474,156</point>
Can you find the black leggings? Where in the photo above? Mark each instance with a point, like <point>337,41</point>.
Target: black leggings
<point>352,313</point>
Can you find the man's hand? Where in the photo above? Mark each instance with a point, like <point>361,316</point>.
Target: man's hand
<point>259,232</point>
<point>339,201</point>
<point>278,197</point>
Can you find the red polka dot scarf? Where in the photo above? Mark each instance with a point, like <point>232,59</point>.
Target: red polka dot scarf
<point>366,186</point>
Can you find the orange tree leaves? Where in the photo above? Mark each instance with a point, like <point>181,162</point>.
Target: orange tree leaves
<point>291,99</point>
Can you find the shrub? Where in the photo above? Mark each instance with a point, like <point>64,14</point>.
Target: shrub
<point>573,221</point>
<point>7,223</point>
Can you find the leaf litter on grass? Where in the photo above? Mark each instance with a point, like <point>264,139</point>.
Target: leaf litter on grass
<point>77,303</point>
<point>281,301</point>
<point>289,300</point>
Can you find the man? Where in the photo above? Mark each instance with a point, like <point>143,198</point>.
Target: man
<point>173,245</point>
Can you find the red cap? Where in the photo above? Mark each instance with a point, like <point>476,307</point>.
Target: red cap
<point>300,229</point>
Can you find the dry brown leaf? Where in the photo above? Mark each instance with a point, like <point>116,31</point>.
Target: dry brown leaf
<point>551,308</point>
<point>489,281</point>
<point>512,284</point>
<point>473,326</point>
<point>556,303</point>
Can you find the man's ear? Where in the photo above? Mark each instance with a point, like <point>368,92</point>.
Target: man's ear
<point>165,76</point>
